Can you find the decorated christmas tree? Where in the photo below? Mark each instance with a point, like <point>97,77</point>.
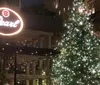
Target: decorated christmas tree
<point>78,62</point>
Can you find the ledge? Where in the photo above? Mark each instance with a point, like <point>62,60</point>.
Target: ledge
<point>27,50</point>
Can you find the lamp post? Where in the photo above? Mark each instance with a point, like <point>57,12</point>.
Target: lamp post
<point>15,63</point>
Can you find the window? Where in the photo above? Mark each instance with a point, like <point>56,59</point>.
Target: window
<point>44,82</point>
<point>36,81</point>
<point>37,44</point>
<point>45,42</point>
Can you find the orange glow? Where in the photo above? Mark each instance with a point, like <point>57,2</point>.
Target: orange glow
<point>21,22</point>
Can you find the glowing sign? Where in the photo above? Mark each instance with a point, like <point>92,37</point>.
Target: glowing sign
<point>10,22</point>
<point>5,13</point>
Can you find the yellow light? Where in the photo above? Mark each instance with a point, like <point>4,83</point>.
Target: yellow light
<point>21,22</point>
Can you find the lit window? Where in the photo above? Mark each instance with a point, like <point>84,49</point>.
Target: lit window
<point>56,3</point>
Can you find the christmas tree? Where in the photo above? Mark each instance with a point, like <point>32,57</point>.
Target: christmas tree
<point>78,62</point>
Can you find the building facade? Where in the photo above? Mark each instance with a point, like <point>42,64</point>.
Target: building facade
<point>32,68</point>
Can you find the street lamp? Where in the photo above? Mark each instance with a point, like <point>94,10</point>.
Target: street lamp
<point>15,63</point>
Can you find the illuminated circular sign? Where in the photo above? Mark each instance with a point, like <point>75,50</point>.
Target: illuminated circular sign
<point>10,22</point>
